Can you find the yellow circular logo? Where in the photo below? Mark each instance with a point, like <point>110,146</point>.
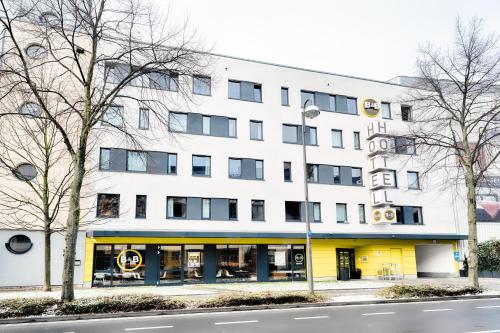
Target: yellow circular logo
<point>370,107</point>
<point>129,260</point>
<point>377,215</point>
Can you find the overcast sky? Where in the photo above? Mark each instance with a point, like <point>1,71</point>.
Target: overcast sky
<point>368,38</point>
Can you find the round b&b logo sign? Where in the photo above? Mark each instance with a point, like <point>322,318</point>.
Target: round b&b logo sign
<point>129,260</point>
<point>370,107</point>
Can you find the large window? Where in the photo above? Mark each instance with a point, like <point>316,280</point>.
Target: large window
<point>140,206</point>
<point>129,264</point>
<point>286,262</point>
<point>236,263</point>
<point>290,134</point>
<point>284,96</point>
<point>337,141</point>
<point>305,96</point>
<point>176,207</point>
<point>170,264</point>
<point>136,161</point>
<point>113,116</point>
<point>177,122</point>
<point>163,81</point>
<point>193,263</point>
<point>287,171</point>
<point>409,214</point>
<point>201,85</point>
<point>293,211</point>
<point>386,110</point>
<point>352,106</point>
<point>143,118</point>
<point>413,180</point>
<point>357,178</point>
<point>235,168</point>
<point>201,165</point>
<point>258,210</point>
<point>246,91</point>
<point>404,146</point>
<point>108,205</point>
<point>255,130</point>
<point>341,213</point>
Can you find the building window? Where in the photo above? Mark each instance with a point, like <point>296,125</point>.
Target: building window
<point>287,171</point>
<point>332,103</point>
<point>172,163</point>
<point>259,169</point>
<point>113,116</point>
<point>352,106</point>
<point>337,141</point>
<point>205,208</point>
<point>177,122</point>
<point>140,206</point>
<point>290,134</point>
<point>235,168</point>
<point>176,207</point>
<point>30,109</point>
<point>341,213</point>
<point>404,146</point>
<point>19,244</point>
<point>386,110</point>
<point>313,137</point>
<point>287,262</point>
<point>163,81</point>
<point>136,161</point>
<point>413,180</point>
<point>232,127</point>
<point>316,213</point>
<point>246,91</point>
<point>206,125</point>
<point>143,118</point>
<point>105,159</point>
<point>293,211</point>
<point>255,130</point>
<point>36,51</point>
<point>305,96</point>
<point>362,213</point>
<point>233,209</point>
<point>284,96</point>
<point>108,205</point>
<point>312,173</point>
<point>236,263</point>
<point>201,165</point>
<point>258,210</point>
<point>336,175</point>
<point>357,177</point>
<point>406,113</point>
<point>417,215</point>
<point>357,141</point>
<point>201,85</point>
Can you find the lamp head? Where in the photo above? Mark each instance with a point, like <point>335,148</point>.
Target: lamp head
<point>312,111</point>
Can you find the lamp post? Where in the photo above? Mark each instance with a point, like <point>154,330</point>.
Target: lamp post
<point>310,112</point>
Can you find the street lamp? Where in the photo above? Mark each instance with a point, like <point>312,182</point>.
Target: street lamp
<point>310,112</point>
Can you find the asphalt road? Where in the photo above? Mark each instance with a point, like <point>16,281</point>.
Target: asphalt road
<point>472,316</point>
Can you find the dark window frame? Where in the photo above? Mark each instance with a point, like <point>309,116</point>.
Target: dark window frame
<point>137,215</point>
<point>144,128</point>
<point>209,209</point>
<point>334,130</point>
<point>287,96</point>
<point>256,85</point>
<point>345,210</point>
<point>382,111</point>
<point>254,201</point>
<point>418,180</point>
<point>406,113</point>
<point>290,172</point>
<point>209,85</point>
<point>357,140</point>
<point>99,205</point>
<point>229,203</point>
<point>173,209</point>
<point>261,129</point>
<point>362,217</point>
<point>209,166</point>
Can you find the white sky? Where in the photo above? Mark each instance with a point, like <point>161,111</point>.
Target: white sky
<point>374,39</point>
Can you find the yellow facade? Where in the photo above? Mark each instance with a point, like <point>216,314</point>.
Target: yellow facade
<point>370,254</point>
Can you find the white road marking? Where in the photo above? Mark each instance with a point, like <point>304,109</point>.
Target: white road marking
<point>377,313</point>
<point>488,307</point>
<point>317,317</point>
<point>236,322</point>
<point>494,331</point>
<point>146,328</point>
<point>436,310</point>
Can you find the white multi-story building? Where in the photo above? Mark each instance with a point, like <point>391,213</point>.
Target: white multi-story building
<point>220,196</point>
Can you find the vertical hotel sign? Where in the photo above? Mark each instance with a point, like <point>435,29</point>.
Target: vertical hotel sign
<point>381,179</point>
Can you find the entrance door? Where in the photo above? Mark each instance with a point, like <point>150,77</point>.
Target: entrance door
<point>397,262</point>
<point>345,264</point>
<point>170,264</point>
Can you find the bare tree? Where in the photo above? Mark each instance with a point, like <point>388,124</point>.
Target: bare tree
<point>456,114</point>
<point>37,178</point>
<point>94,51</point>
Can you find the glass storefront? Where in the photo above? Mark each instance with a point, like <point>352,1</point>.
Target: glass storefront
<point>152,264</point>
<point>236,263</point>
<point>286,262</point>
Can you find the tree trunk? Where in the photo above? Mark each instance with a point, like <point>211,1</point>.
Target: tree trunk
<point>73,223</point>
<point>47,284</point>
<point>472,239</point>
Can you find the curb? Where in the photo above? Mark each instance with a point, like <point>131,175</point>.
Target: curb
<point>235,309</point>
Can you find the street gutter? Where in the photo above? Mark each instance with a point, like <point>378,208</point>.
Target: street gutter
<point>42,319</point>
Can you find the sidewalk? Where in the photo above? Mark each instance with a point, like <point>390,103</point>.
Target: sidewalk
<point>339,291</point>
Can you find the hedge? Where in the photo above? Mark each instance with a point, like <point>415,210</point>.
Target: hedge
<point>489,256</point>
<point>23,307</point>
<point>410,291</point>
<point>266,298</point>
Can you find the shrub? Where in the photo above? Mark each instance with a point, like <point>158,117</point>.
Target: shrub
<point>488,256</point>
<point>399,291</point>
<point>120,303</point>
<point>25,307</point>
<point>267,298</point>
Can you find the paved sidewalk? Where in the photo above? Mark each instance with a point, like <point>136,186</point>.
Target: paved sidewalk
<point>338,290</point>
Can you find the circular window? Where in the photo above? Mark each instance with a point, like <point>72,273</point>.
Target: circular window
<point>49,18</point>
<point>25,172</point>
<point>36,51</point>
<point>19,244</point>
<point>30,109</point>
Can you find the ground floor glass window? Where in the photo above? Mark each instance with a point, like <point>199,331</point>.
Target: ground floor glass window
<point>170,264</point>
<point>286,262</point>
<point>236,263</point>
